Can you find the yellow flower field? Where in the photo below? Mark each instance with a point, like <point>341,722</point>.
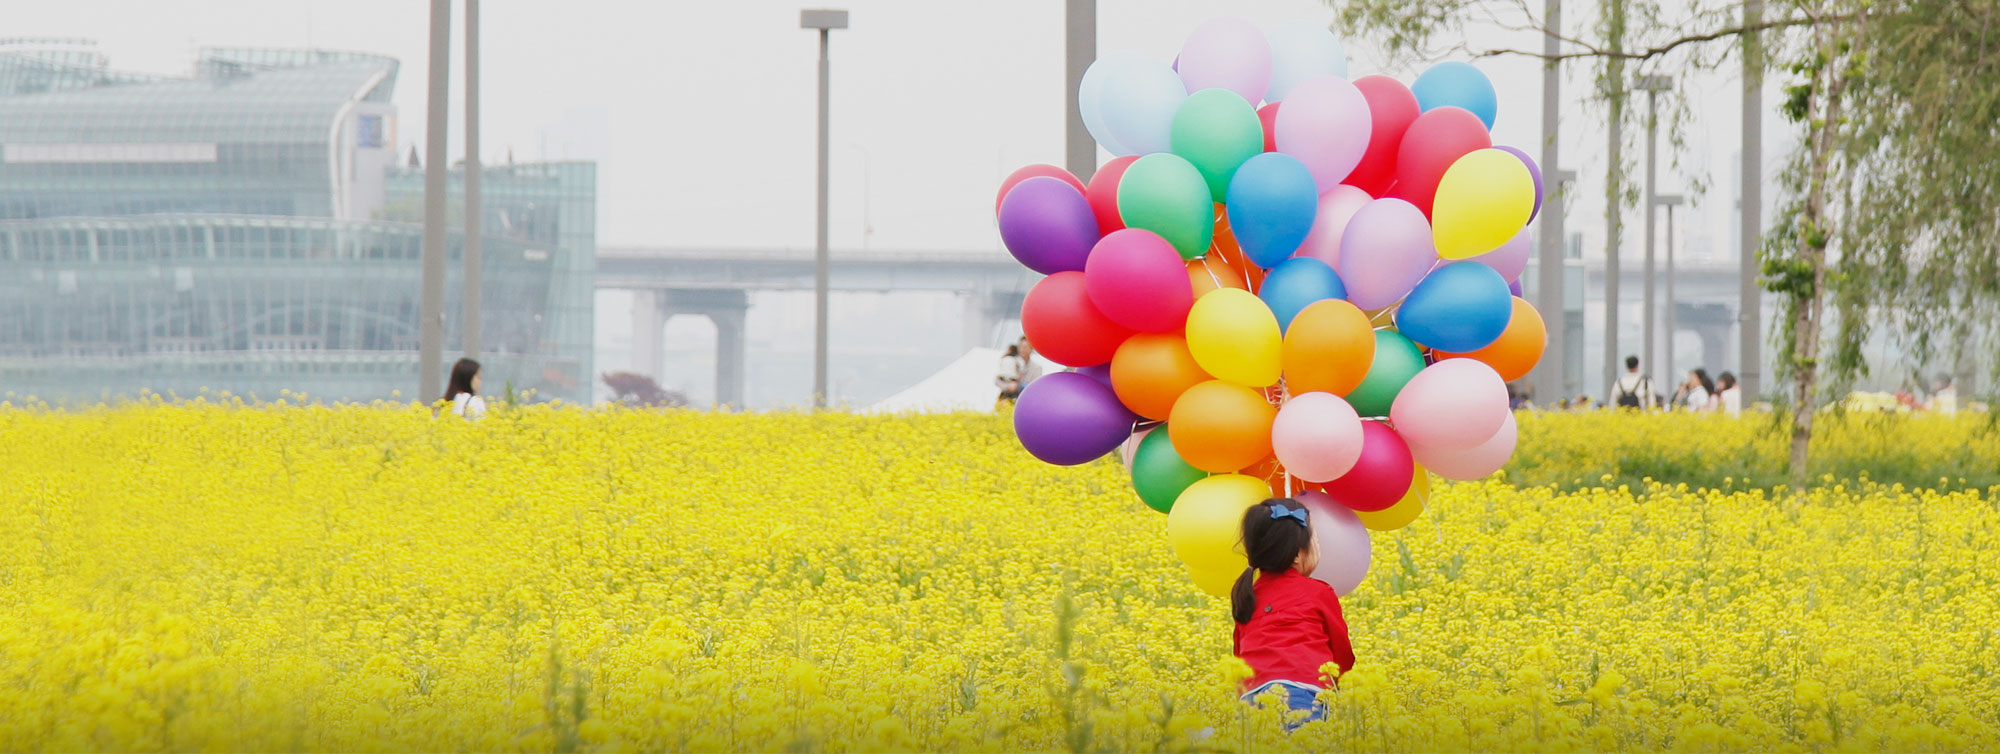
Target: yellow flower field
<point>219,577</point>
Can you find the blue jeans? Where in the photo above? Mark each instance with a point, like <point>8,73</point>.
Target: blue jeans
<point>1298,698</point>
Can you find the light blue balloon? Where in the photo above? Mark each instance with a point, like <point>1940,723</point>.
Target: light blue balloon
<point>1272,200</point>
<point>1090,98</point>
<point>1455,84</point>
<point>1137,102</point>
<point>1297,283</point>
<point>1460,308</point>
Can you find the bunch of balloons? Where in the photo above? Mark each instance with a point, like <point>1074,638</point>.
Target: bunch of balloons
<point>1287,284</point>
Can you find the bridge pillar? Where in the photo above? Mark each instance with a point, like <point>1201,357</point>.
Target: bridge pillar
<point>728,310</point>
<point>985,311</point>
<point>647,323</point>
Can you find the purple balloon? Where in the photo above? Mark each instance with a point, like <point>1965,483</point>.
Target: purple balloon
<point>1535,172</point>
<point>1510,259</point>
<point>1384,251</point>
<point>1101,373</point>
<point>1514,289</point>
<point>1068,418</point>
<point>1047,224</point>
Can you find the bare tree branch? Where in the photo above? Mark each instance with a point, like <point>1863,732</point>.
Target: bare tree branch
<point>1592,51</point>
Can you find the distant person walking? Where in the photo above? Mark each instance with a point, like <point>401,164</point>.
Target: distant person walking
<point>1013,374</point>
<point>1030,371</point>
<point>1634,390</point>
<point>1729,395</point>
<point>463,392</point>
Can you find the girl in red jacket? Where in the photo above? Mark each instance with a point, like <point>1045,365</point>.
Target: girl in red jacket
<point>1288,624</point>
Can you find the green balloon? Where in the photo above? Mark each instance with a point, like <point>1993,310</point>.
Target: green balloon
<point>1165,194</point>
<point>1158,473</point>
<point>1396,361</point>
<point>1216,130</point>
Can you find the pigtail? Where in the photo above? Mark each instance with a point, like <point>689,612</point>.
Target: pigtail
<point>1243,598</point>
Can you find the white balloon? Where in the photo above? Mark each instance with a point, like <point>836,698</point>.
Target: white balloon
<point>1474,463</point>
<point>1090,98</point>
<point>1138,100</point>
<point>1301,50</point>
<point>1227,53</point>
<point>1344,551</point>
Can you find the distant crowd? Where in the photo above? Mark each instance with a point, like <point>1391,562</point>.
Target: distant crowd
<point>1700,393</point>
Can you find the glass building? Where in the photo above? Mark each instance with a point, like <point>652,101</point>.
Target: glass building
<point>248,229</point>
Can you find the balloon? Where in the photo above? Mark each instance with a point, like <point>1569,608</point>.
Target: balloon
<point>1344,550</point>
<point>1271,205</point>
<point>1456,84</point>
<point>1235,337</point>
<point>1301,50</point>
<point>1216,582</point>
<point>1336,209</point>
<point>1483,200</point>
<point>1090,98</point>
<point>1434,141</point>
<point>1137,102</point>
<point>1103,193</point>
<point>1328,348</point>
<point>1534,171</point>
<point>1059,319</point>
<point>1151,371</point>
<point>1511,259</point>
<point>1101,373</point>
<point>1515,289</point>
<point>1134,277</point>
<point>1459,307</point>
<point>1317,436</point>
<point>1267,116</point>
<point>1030,171</point>
<point>1384,252</point>
<point>1211,272</point>
<point>1225,250</point>
<point>1130,448</point>
<point>1405,510</point>
<point>1158,473</point>
<point>1519,347</point>
<point>1391,109</point>
<point>1396,361</point>
<point>1219,427</point>
<point>1047,225</point>
<point>1206,523</point>
<point>1296,284</point>
<point>1454,404</point>
<point>1227,53</point>
<point>1382,474</point>
<point>1216,131</point>
<point>1068,418</point>
<point>1325,123</point>
<point>1477,462</point>
<point>1165,194</point>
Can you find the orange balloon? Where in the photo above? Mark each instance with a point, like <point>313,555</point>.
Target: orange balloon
<point>1151,371</point>
<point>1224,245</point>
<point>1518,348</point>
<point>1328,348</point>
<point>1273,474</point>
<point>1220,428</point>
<point>1210,273</point>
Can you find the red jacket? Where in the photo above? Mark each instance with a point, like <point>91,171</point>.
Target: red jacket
<point>1295,629</point>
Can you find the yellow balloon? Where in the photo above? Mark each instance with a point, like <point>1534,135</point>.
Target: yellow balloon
<point>1216,582</point>
<point>1234,337</point>
<point>1484,199</point>
<point>1206,522</point>
<point>1405,510</point>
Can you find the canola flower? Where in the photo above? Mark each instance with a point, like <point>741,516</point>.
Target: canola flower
<point>220,577</point>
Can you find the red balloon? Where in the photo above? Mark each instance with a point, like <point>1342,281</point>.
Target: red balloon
<point>1268,115</point>
<point>1060,322</point>
<point>1030,171</point>
<point>1382,475</point>
<point>1434,141</point>
<point>1393,108</point>
<point>1103,193</point>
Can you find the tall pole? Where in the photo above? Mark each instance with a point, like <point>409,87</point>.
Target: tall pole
<point>1080,152</point>
<point>819,244</point>
<point>1651,357</point>
<point>1614,188</point>
<point>1551,377</point>
<point>1669,356</point>
<point>469,324</point>
<point>1751,336</point>
<point>430,327</point>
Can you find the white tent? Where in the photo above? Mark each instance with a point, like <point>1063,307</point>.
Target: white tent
<point>966,384</point>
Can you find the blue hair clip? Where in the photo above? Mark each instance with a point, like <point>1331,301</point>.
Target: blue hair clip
<point>1278,510</point>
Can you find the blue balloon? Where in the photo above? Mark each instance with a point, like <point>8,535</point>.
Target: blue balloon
<point>1455,84</point>
<point>1458,308</point>
<point>1272,201</point>
<point>1299,282</point>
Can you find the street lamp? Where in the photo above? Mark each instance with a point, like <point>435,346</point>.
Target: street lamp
<point>825,21</point>
<point>1652,85</point>
<point>1670,201</point>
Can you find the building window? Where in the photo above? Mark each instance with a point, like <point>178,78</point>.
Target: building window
<point>369,134</point>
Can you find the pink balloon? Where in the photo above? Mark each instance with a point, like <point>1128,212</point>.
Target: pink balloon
<point>1317,436</point>
<point>1137,280</point>
<point>1510,259</point>
<point>1478,462</point>
<point>1227,53</point>
<point>1455,404</point>
<point>1326,125</point>
<point>1344,550</point>
<point>1336,208</point>
<point>1385,250</point>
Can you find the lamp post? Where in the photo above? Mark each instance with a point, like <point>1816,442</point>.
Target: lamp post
<point>430,323</point>
<point>1549,277</point>
<point>1670,201</point>
<point>825,21</point>
<point>1652,85</point>
<point>470,303</point>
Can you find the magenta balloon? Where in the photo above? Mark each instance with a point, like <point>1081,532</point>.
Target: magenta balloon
<point>1227,53</point>
<point>1534,171</point>
<point>1138,280</point>
<point>1385,251</point>
<point>1317,436</point>
<point>1336,208</point>
<point>1325,123</point>
<point>1068,418</point>
<point>1510,259</point>
<point>1381,476</point>
<point>1477,462</point>
<point>1344,550</point>
<point>1455,404</point>
<point>1048,225</point>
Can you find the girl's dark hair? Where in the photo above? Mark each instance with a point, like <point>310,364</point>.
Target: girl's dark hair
<point>1274,533</point>
<point>1725,380</point>
<point>461,379</point>
<point>1014,350</point>
<point>1706,383</point>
